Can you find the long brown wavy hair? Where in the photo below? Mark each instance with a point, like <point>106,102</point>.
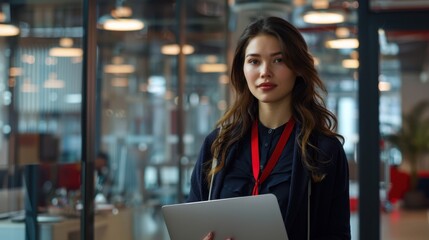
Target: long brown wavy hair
<point>308,106</point>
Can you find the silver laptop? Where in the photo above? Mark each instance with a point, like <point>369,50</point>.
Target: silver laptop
<point>242,218</point>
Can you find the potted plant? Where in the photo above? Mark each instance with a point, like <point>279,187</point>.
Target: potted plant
<point>412,139</point>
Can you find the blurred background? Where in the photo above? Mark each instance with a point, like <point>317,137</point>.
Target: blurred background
<point>162,82</point>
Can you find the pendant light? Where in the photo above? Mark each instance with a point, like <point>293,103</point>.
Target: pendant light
<point>120,19</point>
<point>6,28</point>
<point>65,49</point>
<point>322,14</point>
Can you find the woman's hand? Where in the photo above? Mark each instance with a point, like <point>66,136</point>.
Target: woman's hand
<point>210,236</point>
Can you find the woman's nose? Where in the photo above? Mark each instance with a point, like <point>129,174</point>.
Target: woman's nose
<point>266,71</point>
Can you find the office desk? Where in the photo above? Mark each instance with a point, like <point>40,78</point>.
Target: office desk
<point>107,226</point>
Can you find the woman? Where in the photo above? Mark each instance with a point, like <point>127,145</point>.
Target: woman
<point>278,106</point>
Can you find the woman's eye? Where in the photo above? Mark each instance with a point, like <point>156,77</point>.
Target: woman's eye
<point>253,61</point>
<point>277,60</point>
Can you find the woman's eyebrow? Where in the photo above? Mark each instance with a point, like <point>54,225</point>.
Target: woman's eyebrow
<point>257,54</point>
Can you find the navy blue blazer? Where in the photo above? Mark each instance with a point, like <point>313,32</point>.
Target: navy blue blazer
<point>329,199</point>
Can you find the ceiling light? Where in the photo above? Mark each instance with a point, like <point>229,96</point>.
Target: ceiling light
<point>354,54</point>
<point>118,67</point>
<point>350,63</point>
<point>6,29</point>
<point>65,52</point>
<point>174,49</point>
<point>28,87</point>
<point>223,79</point>
<point>121,11</point>
<point>65,49</point>
<point>342,32</point>
<point>384,86</point>
<point>320,4</point>
<point>211,59</point>
<point>119,82</point>
<point>345,43</point>
<point>323,17</point>
<point>123,24</point>
<point>15,71</point>
<point>53,82</point>
<point>120,20</point>
<point>212,67</point>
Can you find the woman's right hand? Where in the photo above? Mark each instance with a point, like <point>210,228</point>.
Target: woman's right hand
<point>210,236</point>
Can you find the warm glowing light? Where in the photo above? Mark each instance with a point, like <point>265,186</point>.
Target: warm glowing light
<point>316,61</point>
<point>316,17</point>
<point>66,42</point>
<point>345,43</point>
<point>119,82</point>
<point>174,49</point>
<point>320,4</point>
<point>384,86</point>
<point>7,30</point>
<point>120,20</point>
<point>350,63</point>
<point>212,67</point>
<point>342,32</point>
<point>65,52</point>
<point>123,24</point>
<point>211,59</point>
<point>66,49</point>
<point>28,87</point>
<point>53,82</point>
<point>119,68</point>
<point>15,71</point>
<point>223,79</point>
<point>122,11</point>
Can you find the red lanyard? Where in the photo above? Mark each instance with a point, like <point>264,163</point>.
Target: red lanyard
<point>274,157</point>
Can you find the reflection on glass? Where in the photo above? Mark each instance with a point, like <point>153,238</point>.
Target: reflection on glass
<point>402,84</point>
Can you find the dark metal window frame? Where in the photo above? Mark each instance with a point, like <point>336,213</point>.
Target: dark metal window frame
<point>89,96</point>
<point>369,129</point>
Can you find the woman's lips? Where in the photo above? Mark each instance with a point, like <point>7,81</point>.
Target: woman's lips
<point>266,86</point>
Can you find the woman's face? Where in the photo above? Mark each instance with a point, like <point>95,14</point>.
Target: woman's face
<point>268,77</point>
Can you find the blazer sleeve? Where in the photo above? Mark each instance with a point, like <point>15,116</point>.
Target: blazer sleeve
<point>338,201</point>
<point>199,185</point>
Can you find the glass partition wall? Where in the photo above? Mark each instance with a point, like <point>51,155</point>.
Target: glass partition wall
<point>41,99</point>
<point>393,125</point>
<point>162,83</point>
<point>404,129</point>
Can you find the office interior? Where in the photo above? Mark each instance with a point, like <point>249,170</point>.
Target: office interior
<point>113,99</point>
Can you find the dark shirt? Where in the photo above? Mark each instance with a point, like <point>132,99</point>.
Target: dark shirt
<point>239,176</point>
